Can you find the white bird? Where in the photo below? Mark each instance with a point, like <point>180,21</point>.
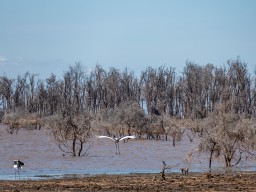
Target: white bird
<point>18,165</point>
<point>117,139</point>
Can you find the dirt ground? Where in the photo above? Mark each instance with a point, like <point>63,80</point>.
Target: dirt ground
<point>139,182</point>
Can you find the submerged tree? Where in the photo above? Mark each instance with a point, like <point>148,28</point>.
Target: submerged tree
<point>173,127</point>
<point>227,135</point>
<point>72,134</point>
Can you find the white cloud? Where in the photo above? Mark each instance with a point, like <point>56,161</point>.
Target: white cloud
<point>3,59</point>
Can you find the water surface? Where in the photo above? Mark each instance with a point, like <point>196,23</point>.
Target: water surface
<point>44,160</point>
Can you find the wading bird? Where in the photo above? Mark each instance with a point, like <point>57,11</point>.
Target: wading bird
<point>17,165</point>
<point>117,139</point>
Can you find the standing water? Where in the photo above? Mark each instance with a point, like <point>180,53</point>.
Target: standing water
<point>43,159</point>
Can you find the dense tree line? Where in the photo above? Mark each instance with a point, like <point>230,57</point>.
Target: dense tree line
<point>193,94</point>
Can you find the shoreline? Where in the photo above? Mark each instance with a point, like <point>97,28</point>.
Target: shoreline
<point>237,181</point>
<point>39,177</point>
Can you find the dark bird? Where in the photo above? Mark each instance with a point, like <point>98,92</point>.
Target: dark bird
<point>17,165</point>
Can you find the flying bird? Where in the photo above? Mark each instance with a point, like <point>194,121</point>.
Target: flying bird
<point>17,165</point>
<point>117,139</point>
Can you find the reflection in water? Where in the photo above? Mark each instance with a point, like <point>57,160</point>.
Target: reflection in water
<point>43,159</point>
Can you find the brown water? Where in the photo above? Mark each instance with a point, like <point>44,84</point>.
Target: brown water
<point>43,159</point>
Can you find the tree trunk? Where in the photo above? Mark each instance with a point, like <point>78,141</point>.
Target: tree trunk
<point>173,141</point>
<point>81,148</point>
<point>74,146</point>
<point>227,161</point>
<point>211,154</point>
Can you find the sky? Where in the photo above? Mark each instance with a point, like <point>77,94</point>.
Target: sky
<point>48,36</point>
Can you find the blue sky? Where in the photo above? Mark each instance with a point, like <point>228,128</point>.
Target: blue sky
<point>47,36</point>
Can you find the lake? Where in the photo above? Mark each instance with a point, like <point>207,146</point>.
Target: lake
<point>43,159</point>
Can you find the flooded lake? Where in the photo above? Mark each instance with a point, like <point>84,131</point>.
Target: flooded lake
<point>43,159</point>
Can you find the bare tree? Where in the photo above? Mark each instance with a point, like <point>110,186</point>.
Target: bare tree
<point>41,98</point>
<point>54,95</point>
<point>173,127</point>
<point>72,135</point>
<point>6,91</point>
<point>158,86</point>
<point>31,93</point>
<point>226,134</point>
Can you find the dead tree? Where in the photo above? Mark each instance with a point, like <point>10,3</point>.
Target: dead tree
<point>71,134</point>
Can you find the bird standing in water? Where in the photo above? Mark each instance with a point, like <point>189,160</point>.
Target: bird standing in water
<point>117,139</point>
<point>17,165</point>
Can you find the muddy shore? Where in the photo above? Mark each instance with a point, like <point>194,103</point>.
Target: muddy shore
<point>243,181</point>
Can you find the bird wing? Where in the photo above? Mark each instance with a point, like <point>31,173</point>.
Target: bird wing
<point>106,137</point>
<point>22,164</point>
<point>128,137</point>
